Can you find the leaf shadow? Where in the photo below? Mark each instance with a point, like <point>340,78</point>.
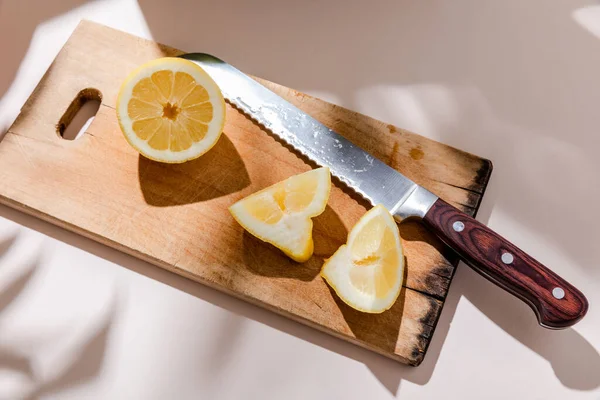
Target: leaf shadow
<point>13,290</point>
<point>9,294</point>
<point>89,356</point>
<point>6,243</point>
<point>12,360</point>
<point>87,365</point>
<point>18,21</point>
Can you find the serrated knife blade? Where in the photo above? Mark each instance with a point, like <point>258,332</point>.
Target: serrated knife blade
<point>368,176</point>
<point>556,303</point>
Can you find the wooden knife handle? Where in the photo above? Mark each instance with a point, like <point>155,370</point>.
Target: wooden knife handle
<point>556,303</point>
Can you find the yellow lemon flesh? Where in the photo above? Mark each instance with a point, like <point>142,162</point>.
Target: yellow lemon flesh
<point>367,272</point>
<point>281,214</point>
<point>170,110</point>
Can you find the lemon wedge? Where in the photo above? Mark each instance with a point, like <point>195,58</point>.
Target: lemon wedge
<point>281,214</point>
<point>170,110</point>
<point>367,272</point>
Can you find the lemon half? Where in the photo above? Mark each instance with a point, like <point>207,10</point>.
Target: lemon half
<point>170,110</point>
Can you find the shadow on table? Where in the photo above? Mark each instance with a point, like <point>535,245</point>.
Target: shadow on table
<point>90,348</point>
<point>18,21</point>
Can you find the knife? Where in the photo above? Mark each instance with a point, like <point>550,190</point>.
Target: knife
<point>556,303</point>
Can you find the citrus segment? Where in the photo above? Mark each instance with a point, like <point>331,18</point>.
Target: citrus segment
<point>281,214</point>
<point>170,110</point>
<point>367,271</point>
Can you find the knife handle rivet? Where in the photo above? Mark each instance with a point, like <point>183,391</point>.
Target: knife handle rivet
<point>558,293</point>
<point>507,258</point>
<point>458,226</point>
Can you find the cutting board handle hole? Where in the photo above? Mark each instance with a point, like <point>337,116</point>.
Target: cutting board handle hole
<point>79,114</point>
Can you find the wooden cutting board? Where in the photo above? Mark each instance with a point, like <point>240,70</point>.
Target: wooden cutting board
<point>175,216</point>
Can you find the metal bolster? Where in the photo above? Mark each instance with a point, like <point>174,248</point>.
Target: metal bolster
<point>416,205</point>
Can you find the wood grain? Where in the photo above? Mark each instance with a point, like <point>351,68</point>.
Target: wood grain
<point>175,216</point>
<point>521,275</point>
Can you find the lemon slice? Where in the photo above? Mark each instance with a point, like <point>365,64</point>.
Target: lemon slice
<point>367,272</point>
<point>281,214</point>
<point>170,110</point>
